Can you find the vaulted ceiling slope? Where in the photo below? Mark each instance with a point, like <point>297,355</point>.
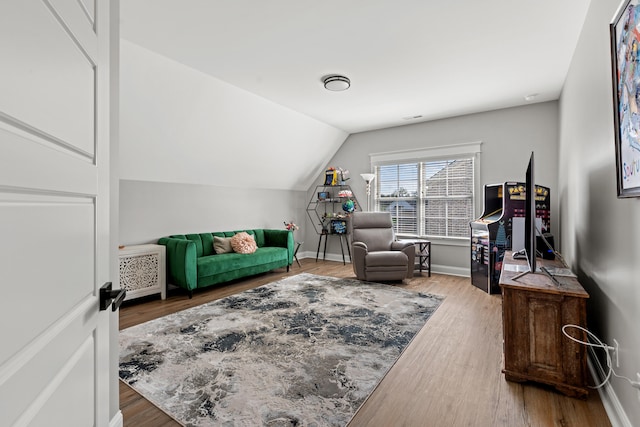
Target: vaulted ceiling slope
<point>408,60</point>
<point>404,58</point>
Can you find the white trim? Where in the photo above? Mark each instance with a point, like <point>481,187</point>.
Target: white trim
<point>72,19</point>
<point>439,269</point>
<point>330,256</point>
<point>451,271</point>
<point>469,148</point>
<point>610,401</point>
<point>439,240</point>
<point>117,420</point>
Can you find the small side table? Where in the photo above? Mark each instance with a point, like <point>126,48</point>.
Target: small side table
<point>423,255</point>
<point>142,270</point>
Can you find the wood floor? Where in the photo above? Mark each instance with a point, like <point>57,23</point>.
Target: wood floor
<point>450,375</point>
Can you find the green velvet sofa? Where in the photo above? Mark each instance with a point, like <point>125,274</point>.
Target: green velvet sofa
<point>192,262</point>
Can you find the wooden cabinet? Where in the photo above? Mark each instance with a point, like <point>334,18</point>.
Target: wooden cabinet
<point>142,270</point>
<point>534,310</point>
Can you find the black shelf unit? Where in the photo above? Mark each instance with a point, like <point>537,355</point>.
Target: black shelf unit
<point>327,215</point>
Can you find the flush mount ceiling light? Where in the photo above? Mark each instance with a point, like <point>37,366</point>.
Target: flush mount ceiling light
<point>531,97</point>
<point>336,83</point>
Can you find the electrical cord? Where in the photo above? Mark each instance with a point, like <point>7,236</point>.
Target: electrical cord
<point>606,349</point>
<point>600,344</point>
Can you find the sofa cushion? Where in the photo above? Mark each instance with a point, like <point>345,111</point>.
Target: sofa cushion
<point>198,241</point>
<point>243,243</point>
<point>222,263</point>
<point>222,245</point>
<point>259,235</point>
<point>386,259</point>
<point>207,244</point>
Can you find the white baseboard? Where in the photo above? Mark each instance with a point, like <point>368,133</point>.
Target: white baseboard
<point>452,271</point>
<point>612,405</point>
<point>329,257</point>
<point>117,420</point>
<point>440,269</point>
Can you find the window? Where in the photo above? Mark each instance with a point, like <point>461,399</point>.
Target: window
<point>427,197</point>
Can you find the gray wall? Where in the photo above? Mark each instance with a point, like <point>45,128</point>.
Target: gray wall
<point>150,210</point>
<point>600,233</point>
<point>508,136</point>
<point>180,125</point>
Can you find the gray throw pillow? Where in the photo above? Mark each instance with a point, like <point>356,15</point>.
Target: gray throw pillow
<point>222,245</point>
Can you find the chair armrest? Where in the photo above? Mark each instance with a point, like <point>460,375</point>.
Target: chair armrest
<point>182,269</point>
<point>359,251</point>
<point>361,246</point>
<point>398,245</point>
<point>408,248</point>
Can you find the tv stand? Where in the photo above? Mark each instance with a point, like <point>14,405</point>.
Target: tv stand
<point>534,309</point>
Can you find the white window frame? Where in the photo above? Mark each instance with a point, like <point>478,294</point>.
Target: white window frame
<point>445,152</point>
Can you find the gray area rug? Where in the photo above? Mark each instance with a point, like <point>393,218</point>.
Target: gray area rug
<point>304,351</point>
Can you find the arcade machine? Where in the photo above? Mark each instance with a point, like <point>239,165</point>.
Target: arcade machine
<point>492,233</point>
<point>481,259</point>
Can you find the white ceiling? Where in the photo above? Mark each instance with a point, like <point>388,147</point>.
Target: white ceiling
<point>405,58</point>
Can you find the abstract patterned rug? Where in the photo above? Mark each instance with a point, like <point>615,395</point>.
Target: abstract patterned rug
<point>306,350</point>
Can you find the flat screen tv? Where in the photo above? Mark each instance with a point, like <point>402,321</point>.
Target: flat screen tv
<point>529,220</point>
<point>530,217</point>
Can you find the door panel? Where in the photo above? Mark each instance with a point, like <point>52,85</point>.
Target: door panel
<point>29,161</point>
<point>53,244</point>
<point>89,8</point>
<point>54,213</point>
<point>75,377</point>
<point>47,81</point>
<point>32,377</point>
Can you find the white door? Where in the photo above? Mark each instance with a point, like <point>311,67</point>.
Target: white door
<point>54,206</point>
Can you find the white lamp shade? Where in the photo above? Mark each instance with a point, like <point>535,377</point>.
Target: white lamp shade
<point>368,177</point>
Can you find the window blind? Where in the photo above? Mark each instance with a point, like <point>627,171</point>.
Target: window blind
<point>427,197</point>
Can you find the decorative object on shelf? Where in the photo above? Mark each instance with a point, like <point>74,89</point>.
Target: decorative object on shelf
<point>336,176</point>
<point>339,226</point>
<point>368,179</point>
<point>343,176</point>
<point>345,193</point>
<point>331,176</point>
<point>291,226</point>
<point>324,195</point>
<point>348,206</point>
<point>624,40</point>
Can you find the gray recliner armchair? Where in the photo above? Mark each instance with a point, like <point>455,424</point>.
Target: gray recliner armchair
<point>376,254</point>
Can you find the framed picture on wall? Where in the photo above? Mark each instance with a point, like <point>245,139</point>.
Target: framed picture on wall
<point>625,51</point>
